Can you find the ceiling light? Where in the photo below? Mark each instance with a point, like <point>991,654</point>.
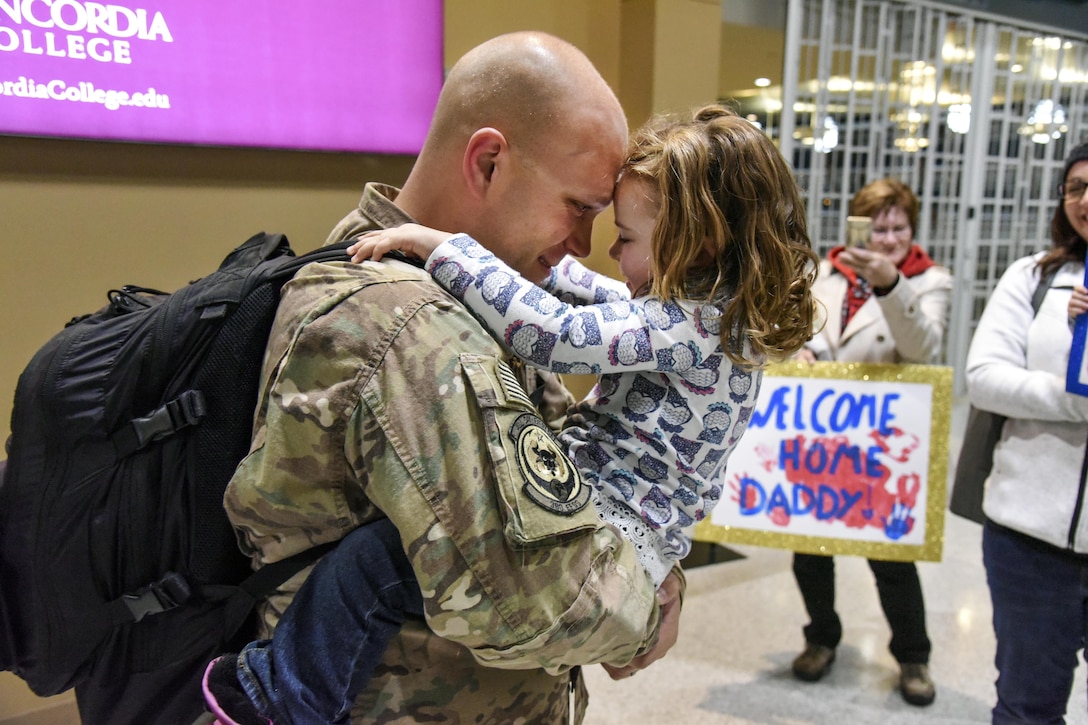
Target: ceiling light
<point>1046,122</point>
<point>959,117</point>
<point>910,144</point>
<point>826,141</point>
<point>763,82</point>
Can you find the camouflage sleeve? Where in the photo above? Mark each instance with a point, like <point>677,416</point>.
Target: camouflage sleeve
<point>550,395</point>
<point>511,557</point>
<point>382,395</point>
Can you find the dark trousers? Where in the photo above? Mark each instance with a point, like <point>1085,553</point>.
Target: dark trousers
<point>1040,602</point>
<point>900,597</point>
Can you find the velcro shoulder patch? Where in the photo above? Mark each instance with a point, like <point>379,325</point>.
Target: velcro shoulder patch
<point>551,480</point>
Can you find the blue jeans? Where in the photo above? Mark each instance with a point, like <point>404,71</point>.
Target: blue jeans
<point>332,636</point>
<point>1040,603</point>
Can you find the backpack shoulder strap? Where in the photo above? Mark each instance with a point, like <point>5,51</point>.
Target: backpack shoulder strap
<point>1041,289</point>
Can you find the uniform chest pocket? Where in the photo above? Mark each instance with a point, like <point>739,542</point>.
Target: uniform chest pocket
<point>542,497</point>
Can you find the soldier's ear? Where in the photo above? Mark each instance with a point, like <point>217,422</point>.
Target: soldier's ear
<point>485,154</point>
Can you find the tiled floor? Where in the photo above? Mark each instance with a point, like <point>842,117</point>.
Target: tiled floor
<point>741,628</point>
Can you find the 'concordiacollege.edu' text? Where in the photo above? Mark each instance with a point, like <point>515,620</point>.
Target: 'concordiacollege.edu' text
<point>83,92</point>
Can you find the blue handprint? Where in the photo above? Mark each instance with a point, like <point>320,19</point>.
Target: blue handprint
<point>901,522</point>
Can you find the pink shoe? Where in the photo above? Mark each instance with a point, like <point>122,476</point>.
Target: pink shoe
<point>223,692</point>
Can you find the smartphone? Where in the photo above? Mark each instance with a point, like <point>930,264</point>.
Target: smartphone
<point>858,231</point>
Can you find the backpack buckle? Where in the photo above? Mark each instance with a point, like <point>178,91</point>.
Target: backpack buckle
<point>181,412</point>
<point>169,592</point>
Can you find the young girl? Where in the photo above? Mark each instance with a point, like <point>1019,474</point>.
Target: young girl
<point>718,267</point>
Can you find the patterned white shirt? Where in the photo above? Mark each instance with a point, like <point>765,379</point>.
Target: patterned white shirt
<point>667,409</point>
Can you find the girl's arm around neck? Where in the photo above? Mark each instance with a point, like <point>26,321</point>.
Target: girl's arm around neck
<point>607,337</point>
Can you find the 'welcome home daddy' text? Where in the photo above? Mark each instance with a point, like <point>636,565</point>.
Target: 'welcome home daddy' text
<point>830,411</point>
<point>31,27</point>
<point>822,468</point>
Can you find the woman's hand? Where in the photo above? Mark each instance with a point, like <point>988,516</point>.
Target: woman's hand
<point>414,239</point>
<point>872,266</point>
<point>1078,302</point>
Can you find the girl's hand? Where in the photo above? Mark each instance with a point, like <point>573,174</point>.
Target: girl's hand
<point>1078,302</point>
<point>414,239</point>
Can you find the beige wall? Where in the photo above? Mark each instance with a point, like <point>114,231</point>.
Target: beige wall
<point>686,49</point>
<point>748,53</point>
<point>592,25</point>
<point>79,218</point>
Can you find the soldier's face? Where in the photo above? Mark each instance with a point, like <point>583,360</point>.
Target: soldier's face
<point>546,204</point>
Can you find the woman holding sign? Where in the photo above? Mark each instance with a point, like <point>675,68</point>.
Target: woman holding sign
<point>885,301</point>
<point>1035,538</point>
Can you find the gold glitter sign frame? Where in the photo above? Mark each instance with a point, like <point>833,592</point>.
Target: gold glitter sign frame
<point>841,458</point>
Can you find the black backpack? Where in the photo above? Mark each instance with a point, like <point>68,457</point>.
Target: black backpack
<point>120,574</point>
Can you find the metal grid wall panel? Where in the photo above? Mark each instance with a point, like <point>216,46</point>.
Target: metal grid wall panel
<point>973,113</point>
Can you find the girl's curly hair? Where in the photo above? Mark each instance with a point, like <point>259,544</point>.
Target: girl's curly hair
<point>730,229</point>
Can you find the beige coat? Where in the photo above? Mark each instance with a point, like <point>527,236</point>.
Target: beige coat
<point>907,325</point>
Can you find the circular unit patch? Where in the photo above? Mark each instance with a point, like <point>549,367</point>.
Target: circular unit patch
<point>551,480</point>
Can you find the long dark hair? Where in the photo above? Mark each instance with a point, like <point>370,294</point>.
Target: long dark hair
<point>1068,245</point>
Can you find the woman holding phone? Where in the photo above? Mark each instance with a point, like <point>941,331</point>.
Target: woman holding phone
<point>884,301</point>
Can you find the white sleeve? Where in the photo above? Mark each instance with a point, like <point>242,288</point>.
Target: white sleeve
<point>574,283</point>
<point>542,330</point>
<point>917,320</point>
<point>819,347</point>
<point>998,375</point>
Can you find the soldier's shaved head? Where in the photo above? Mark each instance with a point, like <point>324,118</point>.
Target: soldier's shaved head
<point>523,151</point>
<point>528,86</point>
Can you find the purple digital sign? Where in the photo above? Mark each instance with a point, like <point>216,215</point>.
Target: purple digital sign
<point>329,75</point>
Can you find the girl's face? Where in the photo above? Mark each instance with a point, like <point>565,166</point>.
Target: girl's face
<point>1076,206</point>
<point>635,210</point>
<point>892,234</point>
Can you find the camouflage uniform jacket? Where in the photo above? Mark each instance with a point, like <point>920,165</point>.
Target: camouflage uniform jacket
<point>382,396</point>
